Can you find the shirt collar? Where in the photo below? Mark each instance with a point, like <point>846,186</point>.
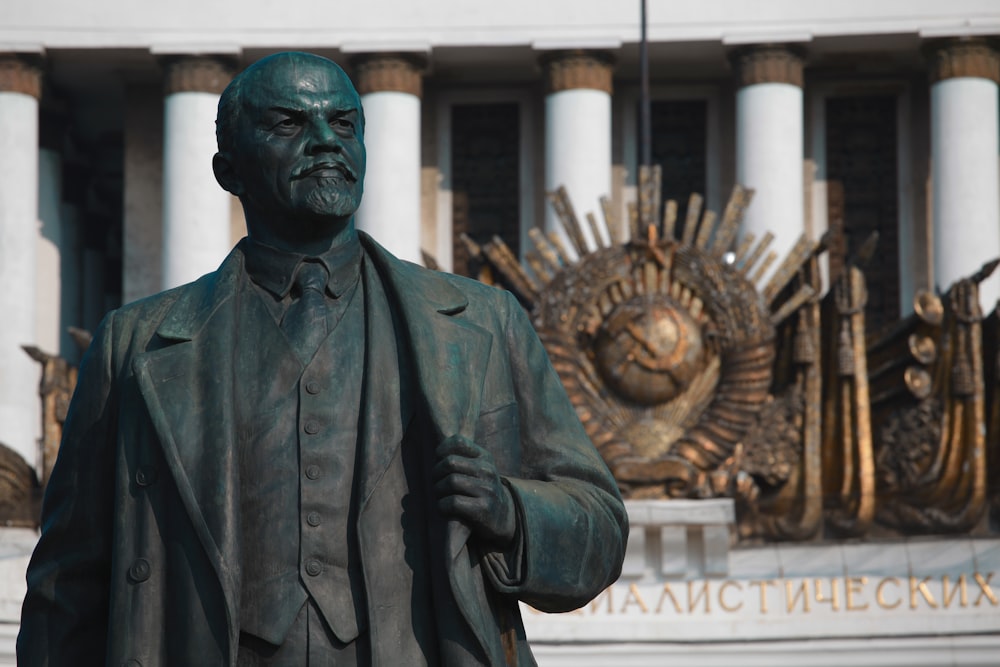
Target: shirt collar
<point>275,269</point>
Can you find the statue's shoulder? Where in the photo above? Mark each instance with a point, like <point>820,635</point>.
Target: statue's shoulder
<point>437,286</point>
<point>153,302</point>
<point>162,301</point>
<point>150,308</point>
<point>471,287</point>
<point>140,318</point>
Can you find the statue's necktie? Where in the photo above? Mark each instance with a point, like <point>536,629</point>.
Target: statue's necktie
<point>305,320</point>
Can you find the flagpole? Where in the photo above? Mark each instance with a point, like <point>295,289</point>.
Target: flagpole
<point>645,122</point>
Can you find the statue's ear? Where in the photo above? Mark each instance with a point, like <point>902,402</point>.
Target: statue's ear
<point>225,174</point>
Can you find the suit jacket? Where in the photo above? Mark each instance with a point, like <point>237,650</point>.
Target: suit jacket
<point>139,555</point>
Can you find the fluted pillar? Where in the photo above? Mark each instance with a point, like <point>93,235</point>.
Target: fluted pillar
<point>196,211</point>
<point>391,87</point>
<point>769,142</point>
<point>20,408</point>
<point>964,172</point>
<point>578,130</point>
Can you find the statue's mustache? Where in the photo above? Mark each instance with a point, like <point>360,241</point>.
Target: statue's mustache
<point>310,169</point>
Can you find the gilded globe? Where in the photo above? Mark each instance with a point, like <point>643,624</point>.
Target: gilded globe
<point>649,349</point>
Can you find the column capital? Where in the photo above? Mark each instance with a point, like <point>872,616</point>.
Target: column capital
<point>768,63</point>
<point>967,56</point>
<point>196,74</point>
<point>19,74</point>
<point>389,72</point>
<point>573,69</point>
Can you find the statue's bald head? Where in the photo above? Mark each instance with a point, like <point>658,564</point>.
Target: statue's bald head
<point>277,66</point>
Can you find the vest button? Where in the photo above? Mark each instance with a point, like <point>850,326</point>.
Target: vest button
<point>314,519</point>
<point>312,427</point>
<point>312,387</point>
<point>313,472</point>
<point>140,570</point>
<point>313,567</point>
<point>145,475</point>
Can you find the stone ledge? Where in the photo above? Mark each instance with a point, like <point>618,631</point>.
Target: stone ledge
<point>846,592</point>
<point>670,539</point>
<point>8,641</point>
<point>16,545</point>
<point>681,512</point>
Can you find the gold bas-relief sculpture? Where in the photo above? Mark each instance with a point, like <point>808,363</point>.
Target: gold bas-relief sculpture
<point>929,413</point>
<point>20,486</point>
<point>705,366</point>
<point>848,459</point>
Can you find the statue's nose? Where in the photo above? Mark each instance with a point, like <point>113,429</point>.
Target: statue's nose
<point>322,139</point>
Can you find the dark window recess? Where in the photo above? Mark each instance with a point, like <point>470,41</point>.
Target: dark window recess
<point>485,181</point>
<point>862,195</point>
<point>679,131</point>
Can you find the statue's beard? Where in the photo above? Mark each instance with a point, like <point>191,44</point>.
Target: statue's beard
<point>339,199</point>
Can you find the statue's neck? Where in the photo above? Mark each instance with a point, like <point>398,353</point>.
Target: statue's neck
<point>306,237</point>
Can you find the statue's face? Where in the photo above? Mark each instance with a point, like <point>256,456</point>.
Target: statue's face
<point>300,153</point>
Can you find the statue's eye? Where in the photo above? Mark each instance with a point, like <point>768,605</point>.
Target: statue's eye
<point>285,123</point>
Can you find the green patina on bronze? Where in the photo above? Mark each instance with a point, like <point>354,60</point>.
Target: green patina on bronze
<point>473,483</point>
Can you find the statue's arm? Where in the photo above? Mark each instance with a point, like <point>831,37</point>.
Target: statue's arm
<point>571,523</point>
<point>64,619</point>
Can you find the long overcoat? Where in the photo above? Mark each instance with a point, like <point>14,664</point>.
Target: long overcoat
<point>139,557</point>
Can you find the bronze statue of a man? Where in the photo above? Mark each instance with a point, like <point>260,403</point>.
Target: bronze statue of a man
<point>317,454</point>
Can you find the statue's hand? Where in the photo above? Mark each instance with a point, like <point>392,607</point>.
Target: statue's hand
<point>469,488</point>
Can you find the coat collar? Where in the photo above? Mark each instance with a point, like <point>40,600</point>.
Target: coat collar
<point>198,302</point>
<point>416,291</point>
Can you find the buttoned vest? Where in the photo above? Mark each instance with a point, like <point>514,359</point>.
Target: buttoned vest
<point>297,466</point>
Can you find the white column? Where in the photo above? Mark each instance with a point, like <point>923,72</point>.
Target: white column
<point>49,258</point>
<point>578,134</point>
<point>71,285</point>
<point>20,405</point>
<point>391,87</point>
<point>195,209</point>
<point>769,143</point>
<point>964,163</point>
<point>59,281</point>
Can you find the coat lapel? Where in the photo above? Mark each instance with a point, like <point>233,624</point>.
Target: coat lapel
<point>448,354</point>
<point>449,357</point>
<point>187,385</point>
<point>384,407</point>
